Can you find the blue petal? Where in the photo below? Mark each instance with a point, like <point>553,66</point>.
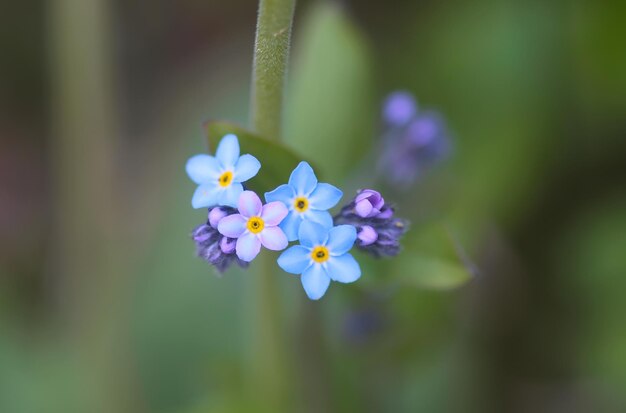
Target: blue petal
<point>340,239</point>
<point>283,193</point>
<point>312,234</point>
<point>290,225</point>
<point>246,167</point>
<point>228,151</point>
<point>325,196</point>
<point>320,217</point>
<point>206,195</point>
<point>343,268</point>
<point>202,168</point>
<point>303,179</point>
<point>248,247</point>
<point>315,281</point>
<point>230,195</point>
<point>295,260</point>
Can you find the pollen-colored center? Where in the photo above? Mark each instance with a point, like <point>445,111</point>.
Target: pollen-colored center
<point>301,204</point>
<point>225,179</point>
<point>255,225</point>
<point>320,254</point>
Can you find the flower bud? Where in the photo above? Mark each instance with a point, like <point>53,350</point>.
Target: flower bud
<point>367,235</point>
<point>368,203</point>
<point>215,215</point>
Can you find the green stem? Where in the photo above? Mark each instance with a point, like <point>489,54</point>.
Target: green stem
<point>271,53</point>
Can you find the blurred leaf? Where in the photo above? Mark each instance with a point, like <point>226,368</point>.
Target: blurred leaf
<point>329,109</point>
<point>277,161</point>
<point>432,258</point>
<point>434,273</point>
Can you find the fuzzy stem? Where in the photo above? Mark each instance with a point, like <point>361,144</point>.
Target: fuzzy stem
<point>271,53</point>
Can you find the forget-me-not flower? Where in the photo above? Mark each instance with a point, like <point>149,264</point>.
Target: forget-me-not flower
<point>322,256</point>
<point>306,199</point>
<point>219,177</point>
<point>255,225</point>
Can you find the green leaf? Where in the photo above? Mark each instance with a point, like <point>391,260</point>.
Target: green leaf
<point>277,161</point>
<point>432,259</point>
<point>330,111</point>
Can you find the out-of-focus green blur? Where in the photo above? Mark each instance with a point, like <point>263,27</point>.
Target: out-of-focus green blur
<point>105,308</point>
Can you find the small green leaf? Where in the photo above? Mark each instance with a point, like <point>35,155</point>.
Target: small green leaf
<point>330,110</point>
<point>432,259</point>
<point>277,160</point>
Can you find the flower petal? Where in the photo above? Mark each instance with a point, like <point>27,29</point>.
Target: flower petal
<point>202,168</point>
<point>303,179</point>
<point>246,167</point>
<point>340,239</point>
<point>315,281</point>
<point>227,151</point>
<point>249,204</point>
<point>320,217</point>
<point>290,225</point>
<point>312,234</point>
<point>343,268</point>
<point>273,213</point>
<point>325,196</point>
<point>295,260</point>
<point>273,238</point>
<point>230,195</point>
<point>248,247</point>
<point>232,226</point>
<point>206,195</point>
<point>283,193</point>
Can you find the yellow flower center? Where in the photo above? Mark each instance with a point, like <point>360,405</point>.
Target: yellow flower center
<point>301,204</point>
<point>320,254</point>
<point>255,225</point>
<point>225,179</point>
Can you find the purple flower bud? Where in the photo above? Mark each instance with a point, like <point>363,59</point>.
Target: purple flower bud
<point>378,232</point>
<point>212,246</point>
<point>367,235</point>
<point>368,203</point>
<point>216,214</point>
<point>399,108</point>
<point>227,245</point>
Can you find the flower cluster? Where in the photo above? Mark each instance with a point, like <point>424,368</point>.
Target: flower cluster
<point>378,230</point>
<point>239,224</point>
<point>413,140</point>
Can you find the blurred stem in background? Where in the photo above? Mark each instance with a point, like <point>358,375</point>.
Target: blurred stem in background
<point>86,262</point>
<point>271,54</point>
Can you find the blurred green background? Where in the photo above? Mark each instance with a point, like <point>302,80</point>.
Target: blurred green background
<point>104,308</point>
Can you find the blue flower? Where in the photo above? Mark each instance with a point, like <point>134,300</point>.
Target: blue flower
<point>219,177</point>
<point>306,199</point>
<point>322,256</point>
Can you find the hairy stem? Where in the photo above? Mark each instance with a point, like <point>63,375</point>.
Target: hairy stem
<point>271,53</point>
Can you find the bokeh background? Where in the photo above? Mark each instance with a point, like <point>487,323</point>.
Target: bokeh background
<point>105,308</point>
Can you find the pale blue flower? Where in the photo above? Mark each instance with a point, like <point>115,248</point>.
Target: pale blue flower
<point>306,199</point>
<point>219,177</point>
<point>322,256</point>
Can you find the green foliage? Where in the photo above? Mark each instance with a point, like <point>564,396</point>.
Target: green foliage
<point>431,259</point>
<point>329,107</point>
<point>277,160</point>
